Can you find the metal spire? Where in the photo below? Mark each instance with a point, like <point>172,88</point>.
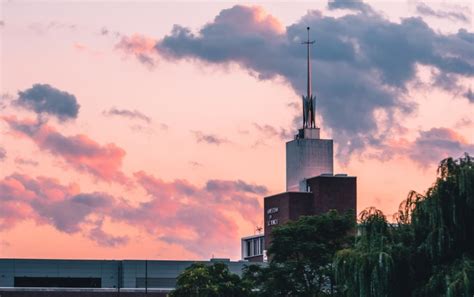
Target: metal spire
<point>308,43</point>
<point>309,102</point>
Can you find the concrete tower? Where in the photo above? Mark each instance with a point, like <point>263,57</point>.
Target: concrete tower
<point>308,155</point>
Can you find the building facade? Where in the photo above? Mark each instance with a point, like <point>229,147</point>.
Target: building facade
<point>98,274</point>
<point>253,247</point>
<point>322,193</point>
<point>306,156</point>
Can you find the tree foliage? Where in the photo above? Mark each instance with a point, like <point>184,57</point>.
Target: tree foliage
<point>428,252</point>
<point>201,280</point>
<point>301,256</point>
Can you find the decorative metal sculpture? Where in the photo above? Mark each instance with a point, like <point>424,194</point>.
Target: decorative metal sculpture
<point>309,101</point>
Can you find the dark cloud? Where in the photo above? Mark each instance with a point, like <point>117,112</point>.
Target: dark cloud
<point>29,162</point>
<point>226,186</point>
<point>270,131</point>
<point>446,81</point>
<point>67,215</point>
<point>363,63</point>
<point>45,99</point>
<point>469,95</point>
<point>81,152</point>
<point>209,138</point>
<point>464,122</point>
<point>98,235</point>
<point>2,23</point>
<point>3,154</point>
<point>430,146</point>
<point>425,10</point>
<point>435,144</point>
<point>131,114</point>
<point>349,4</point>
<point>104,31</point>
<point>5,99</point>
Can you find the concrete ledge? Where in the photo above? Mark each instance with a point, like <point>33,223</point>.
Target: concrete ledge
<point>82,292</point>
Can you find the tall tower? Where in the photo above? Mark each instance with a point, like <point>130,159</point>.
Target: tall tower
<point>311,186</point>
<point>308,155</point>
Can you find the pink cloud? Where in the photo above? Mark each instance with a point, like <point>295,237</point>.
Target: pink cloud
<point>13,212</point>
<point>438,143</point>
<point>429,147</point>
<point>201,219</point>
<point>201,212</point>
<point>140,46</point>
<point>45,201</point>
<point>21,197</point>
<point>250,19</point>
<point>81,152</point>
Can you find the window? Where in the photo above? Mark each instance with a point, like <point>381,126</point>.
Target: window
<point>58,282</point>
<point>255,247</point>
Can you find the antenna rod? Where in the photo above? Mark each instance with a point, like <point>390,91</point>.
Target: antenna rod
<point>309,65</point>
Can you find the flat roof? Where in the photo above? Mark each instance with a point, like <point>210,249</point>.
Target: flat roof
<point>253,236</point>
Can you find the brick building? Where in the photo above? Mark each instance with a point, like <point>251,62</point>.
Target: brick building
<point>323,193</point>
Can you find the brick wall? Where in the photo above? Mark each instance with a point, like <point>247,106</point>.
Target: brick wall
<point>327,192</point>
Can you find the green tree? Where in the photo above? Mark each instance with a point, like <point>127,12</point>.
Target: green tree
<point>429,252</point>
<point>201,280</point>
<point>368,269</point>
<point>442,223</point>
<point>301,256</point>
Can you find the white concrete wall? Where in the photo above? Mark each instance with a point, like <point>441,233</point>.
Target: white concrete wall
<point>307,158</point>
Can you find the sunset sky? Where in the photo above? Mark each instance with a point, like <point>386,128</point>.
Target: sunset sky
<point>154,129</point>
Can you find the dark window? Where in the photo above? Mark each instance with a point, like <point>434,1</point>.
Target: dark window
<point>156,282</point>
<point>249,251</point>
<point>58,282</point>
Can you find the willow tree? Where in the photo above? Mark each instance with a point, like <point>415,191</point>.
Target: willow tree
<point>367,269</point>
<point>442,221</point>
<point>429,251</point>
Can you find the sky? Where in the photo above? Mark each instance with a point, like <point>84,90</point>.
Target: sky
<point>154,129</point>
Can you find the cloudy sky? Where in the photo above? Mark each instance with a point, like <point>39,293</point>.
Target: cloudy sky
<point>155,129</point>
